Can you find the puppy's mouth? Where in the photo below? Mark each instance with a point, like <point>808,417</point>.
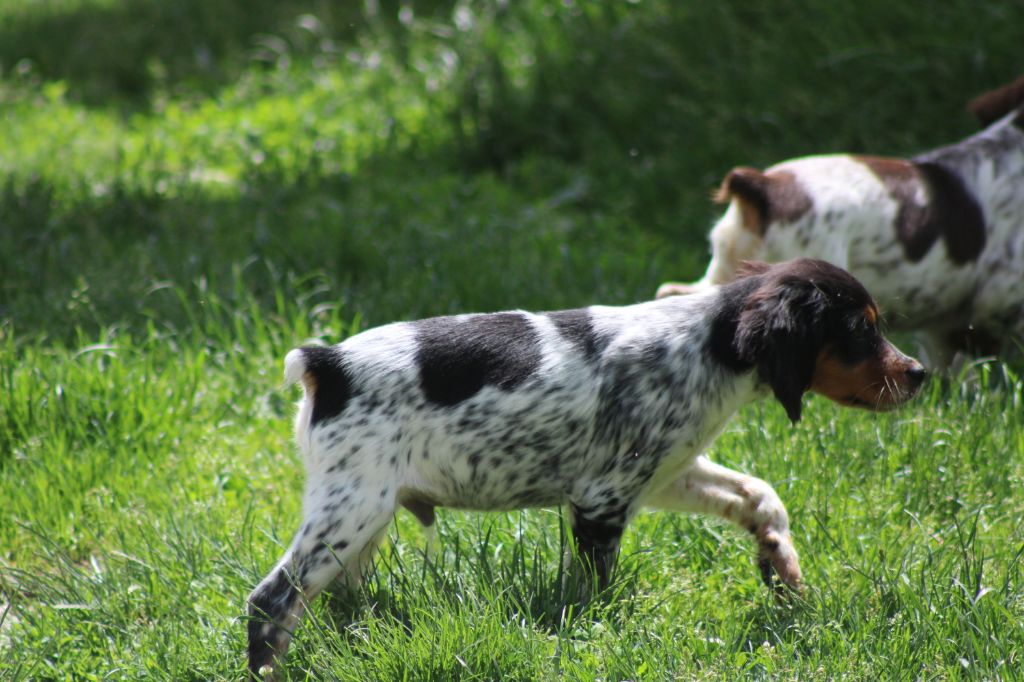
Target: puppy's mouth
<point>877,384</point>
<point>854,401</point>
<point>883,398</point>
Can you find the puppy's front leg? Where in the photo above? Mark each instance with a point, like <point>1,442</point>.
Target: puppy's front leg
<point>749,502</point>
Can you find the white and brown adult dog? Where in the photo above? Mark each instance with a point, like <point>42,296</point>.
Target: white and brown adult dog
<point>938,239</point>
<point>605,410</point>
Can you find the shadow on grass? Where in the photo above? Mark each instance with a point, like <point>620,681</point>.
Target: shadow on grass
<point>393,243</point>
<point>122,50</point>
<point>527,582</point>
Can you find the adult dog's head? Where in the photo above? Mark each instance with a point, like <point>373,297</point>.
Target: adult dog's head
<point>807,325</point>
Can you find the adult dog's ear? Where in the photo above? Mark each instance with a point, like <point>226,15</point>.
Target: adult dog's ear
<point>780,333</point>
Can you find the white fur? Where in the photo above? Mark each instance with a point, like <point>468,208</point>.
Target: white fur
<point>852,224</point>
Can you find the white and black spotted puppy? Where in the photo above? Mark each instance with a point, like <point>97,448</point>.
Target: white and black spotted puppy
<point>603,409</point>
<point>937,239</point>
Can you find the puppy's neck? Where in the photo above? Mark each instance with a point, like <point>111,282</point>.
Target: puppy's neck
<point>725,315</point>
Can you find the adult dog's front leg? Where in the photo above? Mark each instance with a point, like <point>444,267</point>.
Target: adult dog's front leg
<point>749,502</point>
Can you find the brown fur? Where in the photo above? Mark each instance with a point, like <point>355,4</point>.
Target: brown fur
<point>878,383</point>
<point>812,326</point>
<point>994,104</point>
<point>949,210</point>
<point>764,197</point>
<point>871,314</point>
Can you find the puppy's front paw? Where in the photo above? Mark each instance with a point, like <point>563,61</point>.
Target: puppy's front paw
<point>778,561</point>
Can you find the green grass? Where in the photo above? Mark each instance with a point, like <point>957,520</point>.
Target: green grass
<point>188,190</point>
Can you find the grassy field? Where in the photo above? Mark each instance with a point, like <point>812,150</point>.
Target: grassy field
<point>190,189</point>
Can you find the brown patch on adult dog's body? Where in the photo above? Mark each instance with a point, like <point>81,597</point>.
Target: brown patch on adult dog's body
<point>933,205</point>
<point>936,238</point>
<point>953,213</point>
<point>764,198</point>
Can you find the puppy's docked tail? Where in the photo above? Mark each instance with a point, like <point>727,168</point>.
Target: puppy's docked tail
<point>294,366</point>
<point>326,383</point>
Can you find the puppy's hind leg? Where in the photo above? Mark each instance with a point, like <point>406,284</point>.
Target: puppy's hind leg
<point>337,539</point>
<point>597,536</point>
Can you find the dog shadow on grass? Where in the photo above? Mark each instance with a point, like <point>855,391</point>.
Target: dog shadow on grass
<point>527,582</point>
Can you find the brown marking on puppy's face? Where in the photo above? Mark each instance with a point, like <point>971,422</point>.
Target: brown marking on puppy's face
<point>882,381</point>
<point>861,368</point>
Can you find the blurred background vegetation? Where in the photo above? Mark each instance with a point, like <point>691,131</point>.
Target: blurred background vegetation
<point>416,158</point>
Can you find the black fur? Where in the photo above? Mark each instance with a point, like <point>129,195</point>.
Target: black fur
<point>953,214</point>
<point>268,608</point>
<point>786,320</point>
<point>576,326</point>
<point>722,341</point>
<point>333,382</point>
<point>597,542</point>
<point>458,357</point>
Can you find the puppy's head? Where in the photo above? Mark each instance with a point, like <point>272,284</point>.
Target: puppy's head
<point>809,325</point>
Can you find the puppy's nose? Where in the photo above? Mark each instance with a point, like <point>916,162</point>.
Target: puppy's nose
<point>916,374</point>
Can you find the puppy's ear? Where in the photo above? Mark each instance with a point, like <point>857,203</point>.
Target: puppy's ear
<point>780,333</point>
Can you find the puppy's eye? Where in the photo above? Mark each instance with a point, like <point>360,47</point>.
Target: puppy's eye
<point>860,341</point>
<point>861,327</point>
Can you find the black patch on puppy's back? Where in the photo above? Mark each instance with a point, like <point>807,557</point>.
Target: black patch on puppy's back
<point>331,381</point>
<point>577,327</point>
<point>458,357</point>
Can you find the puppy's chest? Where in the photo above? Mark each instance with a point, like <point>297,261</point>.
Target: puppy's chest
<point>696,440</point>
